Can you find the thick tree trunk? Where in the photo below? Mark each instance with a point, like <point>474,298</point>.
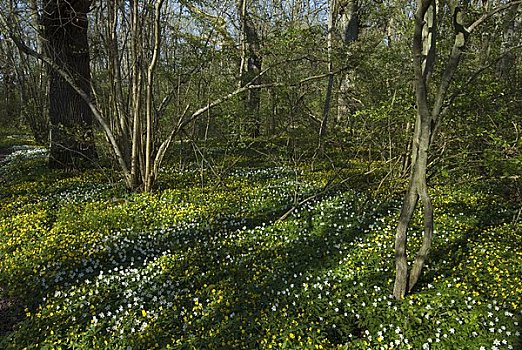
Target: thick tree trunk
<point>65,30</point>
<point>250,68</point>
<point>119,110</point>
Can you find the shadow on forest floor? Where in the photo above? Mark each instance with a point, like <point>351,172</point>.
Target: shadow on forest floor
<point>254,262</point>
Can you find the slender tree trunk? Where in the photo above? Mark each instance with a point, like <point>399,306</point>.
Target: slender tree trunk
<point>136,58</point>
<point>506,63</point>
<point>329,88</point>
<point>37,90</point>
<point>296,10</point>
<point>349,27</point>
<point>72,138</point>
<point>424,58</point>
<point>427,124</point>
<point>401,259</point>
<point>406,156</point>
<point>150,174</point>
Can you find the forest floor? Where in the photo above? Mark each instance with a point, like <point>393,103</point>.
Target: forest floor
<point>210,262</point>
<point>4,152</point>
<point>11,313</point>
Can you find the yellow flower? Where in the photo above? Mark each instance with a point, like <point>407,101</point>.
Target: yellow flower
<point>144,313</point>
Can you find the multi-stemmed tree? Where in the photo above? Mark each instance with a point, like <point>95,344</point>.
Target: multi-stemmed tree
<point>430,112</point>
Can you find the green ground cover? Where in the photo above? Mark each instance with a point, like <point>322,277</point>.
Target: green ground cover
<point>207,265</point>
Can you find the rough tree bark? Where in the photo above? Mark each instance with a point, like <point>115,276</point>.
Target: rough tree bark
<point>65,32</point>
<point>250,66</point>
<point>118,108</point>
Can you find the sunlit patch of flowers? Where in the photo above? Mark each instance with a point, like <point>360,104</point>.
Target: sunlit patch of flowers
<point>15,163</point>
<point>212,267</point>
<point>25,152</point>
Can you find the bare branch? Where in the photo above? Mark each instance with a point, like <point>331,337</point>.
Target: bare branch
<point>493,12</point>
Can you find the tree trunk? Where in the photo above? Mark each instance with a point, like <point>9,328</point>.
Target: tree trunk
<point>424,58</point>
<point>250,67</point>
<point>38,115</point>
<point>150,139</point>
<point>427,124</point>
<point>118,108</point>
<point>349,26</point>
<point>65,31</point>
<point>508,36</point>
<point>136,89</point>
<point>329,88</point>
